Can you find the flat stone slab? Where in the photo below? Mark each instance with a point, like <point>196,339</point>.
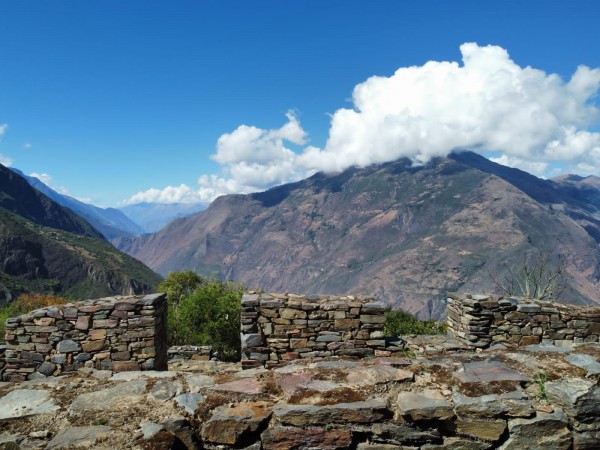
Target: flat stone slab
<point>584,361</point>
<point>284,438</point>
<point>25,403</point>
<point>356,412</point>
<point>426,405</point>
<point>164,390</point>
<point>109,398</point>
<point>142,375</point>
<point>511,404</point>
<point>78,436</point>
<point>548,348</point>
<point>242,386</point>
<point>377,374</point>
<point>488,372</point>
<point>197,381</point>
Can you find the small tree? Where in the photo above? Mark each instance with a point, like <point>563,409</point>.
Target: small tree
<point>540,278</point>
<point>203,312</point>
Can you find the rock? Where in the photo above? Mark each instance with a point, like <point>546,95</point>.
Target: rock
<point>425,405</point>
<point>165,390</point>
<point>489,372</point>
<point>46,368</point>
<point>456,443</point>
<point>25,403</point>
<point>486,430</point>
<point>579,398</point>
<point>357,412</point>
<point>68,346</point>
<point>544,431</point>
<point>110,398</point>
<point>252,340</point>
<point>587,440</point>
<point>366,446</point>
<point>142,375</point>
<point>511,404</point>
<point>243,386</point>
<point>150,429</point>
<point>377,374</point>
<point>189,402</point>
<point>403,434</point>
<point>285,438</point>
<point>78,436</point>
<point>197,381</point>
<point>230,424</point>
<point>586,362</point>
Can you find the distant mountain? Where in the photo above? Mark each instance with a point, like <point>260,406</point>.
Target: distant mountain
<point>47,248</point>
<point>404,234</point>
<point>151,217</point>
<point>111,222</point>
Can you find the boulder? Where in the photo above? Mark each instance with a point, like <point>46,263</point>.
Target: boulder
<point>78,436</point>
<point>544,431</point>
<point>236,424</point>
<point>579,398</point>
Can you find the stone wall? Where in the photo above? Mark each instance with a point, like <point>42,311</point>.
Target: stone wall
<point>114,333</point>
<point>478,321</point>
<point>283,327</point>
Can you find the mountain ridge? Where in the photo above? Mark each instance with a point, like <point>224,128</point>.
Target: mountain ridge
<point>47,248</point>
<point>401,233</point>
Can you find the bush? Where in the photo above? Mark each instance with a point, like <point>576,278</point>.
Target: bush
<point>204,312</point>
<point>399,322</point>
<point>26,303</point>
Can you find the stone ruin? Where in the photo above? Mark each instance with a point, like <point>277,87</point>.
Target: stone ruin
<point>278,328</point>
<point>478,321</point>
<point>114,333</point>
<point>439,394</point>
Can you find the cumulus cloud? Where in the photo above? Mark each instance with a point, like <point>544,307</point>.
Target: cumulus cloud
<point>488,103</point>
<point>528,118</point>
<point>252,159</point>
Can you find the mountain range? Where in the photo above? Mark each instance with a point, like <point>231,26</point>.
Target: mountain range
<point>402,233</point>
<point>47,248</point>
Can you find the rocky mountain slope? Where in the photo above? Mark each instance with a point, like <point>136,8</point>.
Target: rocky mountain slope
<point>151,217</point>
<point>403,234</point>
<point>111,222</point>
<point>46,248</point>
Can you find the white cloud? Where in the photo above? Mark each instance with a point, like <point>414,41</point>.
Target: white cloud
<point>43,177</point>
<point>48,181</point>
<point>489,103</point>
<point>252,159</point>
<point>530,119</point>
<point>6,161</point>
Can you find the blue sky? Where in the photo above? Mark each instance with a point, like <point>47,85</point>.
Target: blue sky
<point>109,99</point>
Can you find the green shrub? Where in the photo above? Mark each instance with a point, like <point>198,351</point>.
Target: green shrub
<point>204,312</point>
<point>399,322</point>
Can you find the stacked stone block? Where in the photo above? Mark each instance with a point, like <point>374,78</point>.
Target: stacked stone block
<point>114,333</point>
<point>480,320</point>
<point>277,328</point>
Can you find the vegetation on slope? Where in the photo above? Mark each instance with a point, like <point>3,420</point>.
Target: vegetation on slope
<point>39,259</point>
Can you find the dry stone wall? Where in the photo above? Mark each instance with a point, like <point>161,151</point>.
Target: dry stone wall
<point>478,321</point>
<point>114,333</point>
<point>277,328</point>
